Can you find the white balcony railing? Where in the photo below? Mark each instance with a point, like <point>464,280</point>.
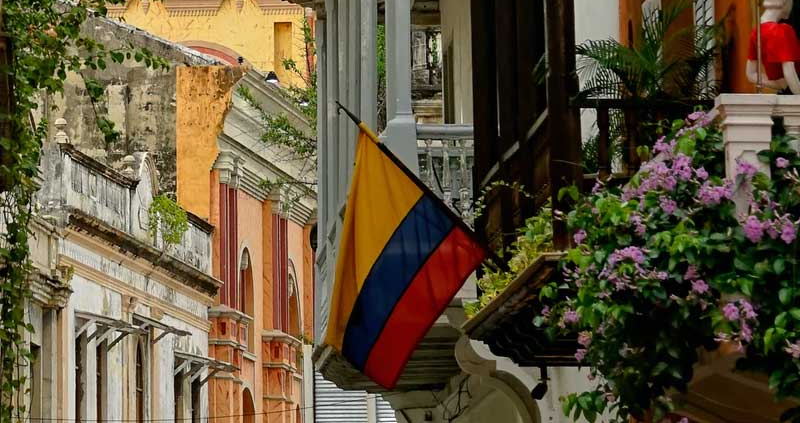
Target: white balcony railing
<point>446,157</point>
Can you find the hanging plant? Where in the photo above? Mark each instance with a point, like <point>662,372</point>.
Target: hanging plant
<point>167,218</point>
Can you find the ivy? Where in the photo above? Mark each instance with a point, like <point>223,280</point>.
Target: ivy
<point>45,44</point>
<point>167,218</point>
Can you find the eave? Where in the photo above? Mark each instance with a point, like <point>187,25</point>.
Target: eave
<point>506,323</point>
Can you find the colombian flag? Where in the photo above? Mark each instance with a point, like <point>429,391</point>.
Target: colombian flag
<point>402,258</point>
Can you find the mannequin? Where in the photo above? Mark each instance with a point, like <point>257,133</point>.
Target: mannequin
<point>780,49</point>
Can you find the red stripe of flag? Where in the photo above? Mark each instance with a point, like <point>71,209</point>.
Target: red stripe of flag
<point>424,301</point>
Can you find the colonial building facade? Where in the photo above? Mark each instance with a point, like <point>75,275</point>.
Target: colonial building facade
<point>120,317</point>
<point>262,33</point>
<point>201,144</point>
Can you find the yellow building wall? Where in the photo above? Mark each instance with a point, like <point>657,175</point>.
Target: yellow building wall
<point>263,34</point>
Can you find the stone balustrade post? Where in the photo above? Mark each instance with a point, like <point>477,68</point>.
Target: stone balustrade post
<point>746,130</point>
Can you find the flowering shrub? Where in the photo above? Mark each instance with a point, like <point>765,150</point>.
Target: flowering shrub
<point>665,266</point>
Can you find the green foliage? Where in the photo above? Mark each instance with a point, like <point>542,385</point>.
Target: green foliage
<point>47,45</point>
<point>664,62</point>
<point>534,239</point>
<point>167,218</point>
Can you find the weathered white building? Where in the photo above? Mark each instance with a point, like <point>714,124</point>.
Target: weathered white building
<point>120,317</point>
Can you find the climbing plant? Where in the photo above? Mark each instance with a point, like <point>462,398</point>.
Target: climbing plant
<point>167,218</point>
<point>45,45</point>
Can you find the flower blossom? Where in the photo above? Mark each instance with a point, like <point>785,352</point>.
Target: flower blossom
<point>745,168</point>
<point>699,287</point>
<point>570,316</point>
<point>579,237</point>
<point>546,311</point>
<point>695,116</point>
<point>701,173</point>
<point>793,349</point>
<point>781,163</point>
<point>639,228</point>
<point>788,232</point>
<point>691,273</point>
<point>731,312</point>
<point>753,229</point>
<point>635,254</point>
<point>682,166</point>
<point>668,205</point>
<point>747,309</point>
<point>711,195</point>
<point>580,354</point>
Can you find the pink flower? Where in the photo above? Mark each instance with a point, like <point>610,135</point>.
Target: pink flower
<point>731,312</point>
<point>747,309</point>
<point>699,286</point>
<point>788,232</point>
<point>695,116</point>
<point>753,229</point>
<point>793,350</point>
<point>781,163</point>
<point>691,273</point>
<point>546,312</point>
<point>669,206</point>
<point>579,236</point>
<point>570,316</point>
<point>580,354</point>
<point>746,333</point>
<point>584,339</point>
<point>710,195</point>
<point>701,174</point>
<point>745,168</point>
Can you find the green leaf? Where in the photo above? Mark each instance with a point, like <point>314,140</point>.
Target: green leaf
<point>795,312</point>
<point>785,295</point>
<point>746,285</point>
<point>781,319</point>
<point>659,368</point>
<point>779,265</point>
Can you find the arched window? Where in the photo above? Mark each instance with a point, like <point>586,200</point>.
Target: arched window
<point>246,299</point>
<point>295,326</point>
<point>248,407</point>
<point>140,369</point>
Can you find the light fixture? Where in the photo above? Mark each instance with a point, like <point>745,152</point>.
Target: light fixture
<point>272,78</point>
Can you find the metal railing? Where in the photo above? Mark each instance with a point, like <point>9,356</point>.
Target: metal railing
<point>446,157</point>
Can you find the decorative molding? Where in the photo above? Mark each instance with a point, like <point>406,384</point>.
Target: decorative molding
<point>192,7</point>
<point>117,10</point>
<point>278,7</point>
<point>145,6</point>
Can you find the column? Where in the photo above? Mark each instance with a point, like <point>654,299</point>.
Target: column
<point>401,130</point>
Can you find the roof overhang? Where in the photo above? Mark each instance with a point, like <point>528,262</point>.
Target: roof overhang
<point>193,366</point>
<point>506,323</point>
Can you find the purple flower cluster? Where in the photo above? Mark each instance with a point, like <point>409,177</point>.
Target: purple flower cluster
<point>745,168</point>
<point>570,317</point>
<point>744,313</point>
<point>668,205</point>
<point>783,227</point>
<point>699,287</point>
<point>638,225</point>
<point>579,236</point>
<point>635,254</point>
<point>781,163</point>
<point>712,195</point>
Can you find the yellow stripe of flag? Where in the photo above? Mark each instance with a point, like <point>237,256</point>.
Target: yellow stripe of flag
<point>381,196</point>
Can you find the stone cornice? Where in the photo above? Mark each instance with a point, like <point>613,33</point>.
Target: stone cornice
<point>225,312</point>
<point>276,335</point>
<point>192,7</point>
<point>277,7</point>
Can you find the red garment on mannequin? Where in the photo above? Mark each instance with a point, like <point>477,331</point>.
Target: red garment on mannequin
<point>779,44</point>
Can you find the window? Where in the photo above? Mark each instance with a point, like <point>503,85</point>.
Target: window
<point>140,369</point>
<point>80,381</point>
<point>100,385</point>
<point>178,390</point>
<point>196,401</point>
<point>246,299</point>
<point>280,273</point>
<point>36,382</point>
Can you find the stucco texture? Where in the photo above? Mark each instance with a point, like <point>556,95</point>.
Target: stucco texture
<point>203,97</point>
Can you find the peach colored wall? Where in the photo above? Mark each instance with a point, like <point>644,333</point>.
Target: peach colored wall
<point>203,97</point>
<point>249,217</point>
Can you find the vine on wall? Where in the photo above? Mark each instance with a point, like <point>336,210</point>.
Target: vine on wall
<point>46,43</point>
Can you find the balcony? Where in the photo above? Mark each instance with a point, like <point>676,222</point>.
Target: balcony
<point>446,158</point>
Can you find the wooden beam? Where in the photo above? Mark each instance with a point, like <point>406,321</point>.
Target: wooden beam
<point>564,128</point>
